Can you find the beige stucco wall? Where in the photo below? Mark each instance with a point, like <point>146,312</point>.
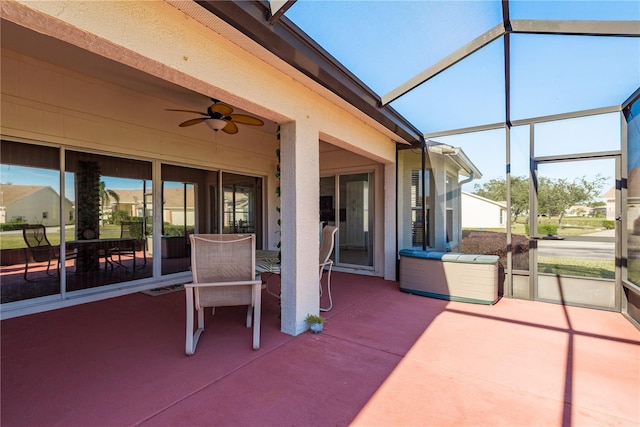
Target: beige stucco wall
<point>164,42</point>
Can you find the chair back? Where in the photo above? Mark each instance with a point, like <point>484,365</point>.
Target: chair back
<point>35,236</point>
<point>328,241</point>
<point>223,257</point>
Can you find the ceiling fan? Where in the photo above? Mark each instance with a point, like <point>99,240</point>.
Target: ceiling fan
<point>220,116</point>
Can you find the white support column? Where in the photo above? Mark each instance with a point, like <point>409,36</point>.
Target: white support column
<point>300,192</point>
<point>390,212</point>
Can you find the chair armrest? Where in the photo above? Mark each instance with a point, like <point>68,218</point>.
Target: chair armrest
<point>324,264</point>
<point>238,283</point>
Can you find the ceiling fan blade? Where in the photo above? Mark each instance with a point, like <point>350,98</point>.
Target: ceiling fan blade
<point>193,122</point>
<point>187,111</point>
<point>223,109</point>
<point>230,128</point>
<point>246,120</point>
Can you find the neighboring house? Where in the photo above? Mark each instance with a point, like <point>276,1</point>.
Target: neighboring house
<point>633,200</point>
<point>609,198</point>
<point>580,210</point>
<point>33,204</point>
<point>174,209</point>
<point>130,202</point>
<point>480,212</point>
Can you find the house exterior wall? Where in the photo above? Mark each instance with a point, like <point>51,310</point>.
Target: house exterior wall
<point>33,208</point>
<point>481,213</point>
<point>74,110</point>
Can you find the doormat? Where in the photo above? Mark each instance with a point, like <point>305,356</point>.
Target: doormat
<point>163,290</point>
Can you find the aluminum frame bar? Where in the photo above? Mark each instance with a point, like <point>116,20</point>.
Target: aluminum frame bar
<point>440,66</point>
<point>576,28</point>
<point>519,26</point>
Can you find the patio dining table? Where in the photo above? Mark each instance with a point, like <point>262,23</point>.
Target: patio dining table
<point>268,262</point>
<point>102,247</point>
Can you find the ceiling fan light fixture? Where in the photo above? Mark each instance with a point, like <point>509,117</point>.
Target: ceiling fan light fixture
<point>216,124</point>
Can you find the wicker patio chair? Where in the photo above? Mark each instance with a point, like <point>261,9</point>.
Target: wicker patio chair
<point>326,248</point>
<point>223,268</point>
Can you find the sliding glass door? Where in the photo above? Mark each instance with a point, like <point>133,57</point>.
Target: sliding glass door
<point>242,205</point>
<point>346,201</point>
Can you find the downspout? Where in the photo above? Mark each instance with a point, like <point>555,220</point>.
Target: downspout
<point>460,184</point>
<point>465,181</point>
<point>423,196</point>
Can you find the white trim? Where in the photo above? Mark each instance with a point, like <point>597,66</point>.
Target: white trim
<point>37,305</point>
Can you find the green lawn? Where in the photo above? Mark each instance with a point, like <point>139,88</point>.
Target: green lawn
<point>571,226</point>
<point>604,269</point>
<point>13,240</point>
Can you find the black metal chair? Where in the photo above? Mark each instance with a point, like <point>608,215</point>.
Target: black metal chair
<point>133,230</point>
<point>39,249</point>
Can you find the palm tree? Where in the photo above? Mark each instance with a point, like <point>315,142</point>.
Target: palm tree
<point>105,198</point>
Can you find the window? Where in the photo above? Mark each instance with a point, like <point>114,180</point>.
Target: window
<point>30,194</point>
<point>414,201</point>
<point>105,193</point>
<point>418,218</point>
<point>449,206</point>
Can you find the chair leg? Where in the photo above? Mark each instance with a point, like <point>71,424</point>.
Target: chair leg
<point>48,267</point>
<point>257,307</point>
<point>328,290</point>
<point>26,264</point>
<point>249,315</point>
<point>266,285</point>
<point>191,337</point>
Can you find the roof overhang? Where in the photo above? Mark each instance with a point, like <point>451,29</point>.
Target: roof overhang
<point>457,156</point>
<point>285,40</point>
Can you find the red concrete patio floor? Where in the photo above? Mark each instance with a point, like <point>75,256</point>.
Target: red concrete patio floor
<point>385,358</point>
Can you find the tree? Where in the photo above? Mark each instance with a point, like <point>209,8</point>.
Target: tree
<point>555,196</point>
<point>106,195</point>
<point>496,189</point>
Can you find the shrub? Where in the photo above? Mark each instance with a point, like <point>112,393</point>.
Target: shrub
<point>608,224</point>
<point>543,229</point>
<point>495,243</point>
<point>12,226</point>
<point>118,217</point>
<point>176,230</point>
